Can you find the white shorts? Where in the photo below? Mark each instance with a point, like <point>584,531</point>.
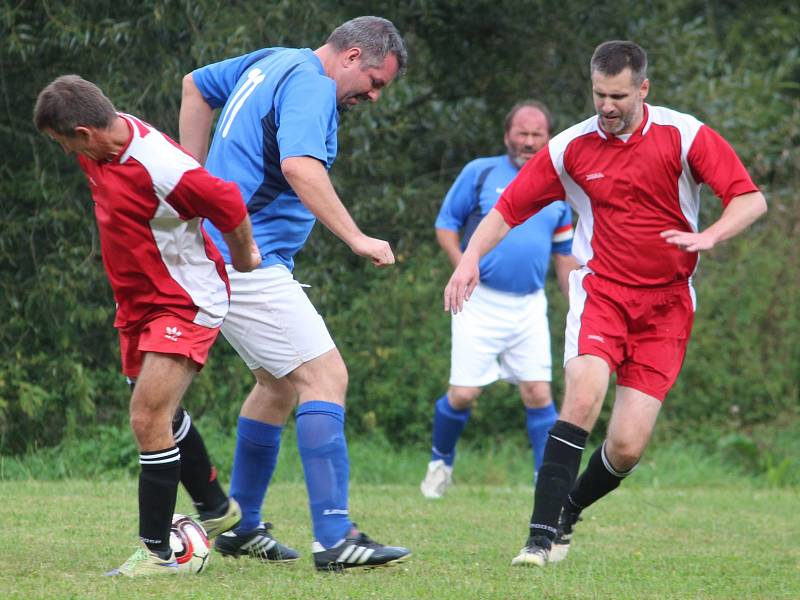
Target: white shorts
<point>272,323</point>
<point>500,336</point>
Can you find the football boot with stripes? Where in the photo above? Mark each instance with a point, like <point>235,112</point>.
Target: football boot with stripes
<point>357,550</point>
<point>144,563</point>
<point>566,527</point>
<point>535,553</point>
<point>256,544</point>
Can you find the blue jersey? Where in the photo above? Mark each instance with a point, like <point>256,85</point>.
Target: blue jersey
<point>277,103</point>
<point>518,264</point>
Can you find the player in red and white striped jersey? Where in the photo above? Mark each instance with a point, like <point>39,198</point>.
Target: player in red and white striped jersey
<point>633,174</point>
<point>169,280</point>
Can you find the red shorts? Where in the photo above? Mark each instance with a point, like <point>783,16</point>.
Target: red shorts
<point>164,334</point>
<point>641,333</point>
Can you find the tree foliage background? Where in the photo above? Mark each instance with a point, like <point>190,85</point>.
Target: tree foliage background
<point>734,64</point>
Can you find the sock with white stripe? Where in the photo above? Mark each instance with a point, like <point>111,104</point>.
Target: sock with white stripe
<point>198,475</point>
<point>562,458</point>
<point>448,423</point>
<point>158,488</point>
<point>257,447</point>
<point>538,422</point>
<point>599,478</point>
<point>323,451</point>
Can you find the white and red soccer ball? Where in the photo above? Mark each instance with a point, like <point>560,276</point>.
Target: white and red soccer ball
<point>190,543</point>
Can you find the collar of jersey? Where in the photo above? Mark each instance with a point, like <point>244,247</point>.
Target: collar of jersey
<point>314,59</point>
<point>640,132</point>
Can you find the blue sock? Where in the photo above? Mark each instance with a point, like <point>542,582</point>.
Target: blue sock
<point>538,421</point>
<point>323,450</point>
<point>448,423</point>
<point>257,446</point>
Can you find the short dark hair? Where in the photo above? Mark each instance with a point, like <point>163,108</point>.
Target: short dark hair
<point>377,37</point>
<point>531,104</point>
<point>613,57</point>
<point>70,101</point>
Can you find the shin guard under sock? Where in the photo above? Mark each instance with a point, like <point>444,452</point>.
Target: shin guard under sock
<point>198,475</point>
<point>562,458</point>
<point>158,489</point>
<point>598,479</point>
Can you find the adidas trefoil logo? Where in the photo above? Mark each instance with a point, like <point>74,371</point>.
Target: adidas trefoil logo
<point>173,333</point>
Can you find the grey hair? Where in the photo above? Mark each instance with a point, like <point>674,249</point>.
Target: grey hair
<point>375,36</point>
<point>613,57</point>
<point>70,101</point>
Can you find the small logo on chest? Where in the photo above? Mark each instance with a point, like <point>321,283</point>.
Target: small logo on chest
<point>593,176</point>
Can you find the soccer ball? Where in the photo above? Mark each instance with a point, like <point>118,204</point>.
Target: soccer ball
<point>190,543</point>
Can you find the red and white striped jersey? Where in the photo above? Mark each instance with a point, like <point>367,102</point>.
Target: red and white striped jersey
<point>149,202</point>
<point>627,193</point>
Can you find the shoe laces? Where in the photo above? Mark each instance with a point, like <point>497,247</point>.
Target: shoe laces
<point>140,555</point>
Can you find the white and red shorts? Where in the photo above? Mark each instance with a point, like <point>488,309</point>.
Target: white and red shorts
<point>642,333</point>
<point>164,334</point>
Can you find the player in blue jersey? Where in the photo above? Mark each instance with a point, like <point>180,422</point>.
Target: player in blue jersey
<point>276,138</point>
<point>502,332</point>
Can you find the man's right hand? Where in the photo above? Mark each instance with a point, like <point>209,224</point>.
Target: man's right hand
<point>462,282</point>
<point>378,251</point>
<point>244,262</point>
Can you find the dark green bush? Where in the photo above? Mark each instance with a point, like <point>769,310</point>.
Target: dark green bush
<point>735,65</point>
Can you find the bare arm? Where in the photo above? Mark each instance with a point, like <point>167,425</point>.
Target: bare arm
<point>245,255</point>
<point>450,242</point>
<point>491,230</point>
<point>564,264</point>
<point>194,120</point>
<point>740,213</point>
<point>311,183</point>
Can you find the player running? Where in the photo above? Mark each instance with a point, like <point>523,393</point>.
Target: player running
<point>633,174</point>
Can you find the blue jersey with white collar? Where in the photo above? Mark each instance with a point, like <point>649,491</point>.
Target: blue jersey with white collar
<point>277,103</point>
<point>518,264</point>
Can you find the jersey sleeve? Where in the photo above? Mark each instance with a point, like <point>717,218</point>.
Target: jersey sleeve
<point>200,194</point>
<point>536,186</point>
<point>458,202</point>
<point>305,113</point>
<point>216,81</point>
<point>563,233</point>
<point>714,162</point>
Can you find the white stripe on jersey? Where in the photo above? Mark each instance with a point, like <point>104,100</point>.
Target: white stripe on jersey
<point>687,126</point>
<point>576,197</point>
<point>254,77</point>
<point>180,243</point>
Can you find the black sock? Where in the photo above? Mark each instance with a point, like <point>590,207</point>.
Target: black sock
<point>198,475</point>
<point>598,479</point>
<point>158,488</point>
<point>562,458</point>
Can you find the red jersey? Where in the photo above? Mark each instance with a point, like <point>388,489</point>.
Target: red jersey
<point>627,193</point>
<point>149,202</point>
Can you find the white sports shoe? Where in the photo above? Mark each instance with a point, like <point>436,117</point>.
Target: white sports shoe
<point>438,478</point>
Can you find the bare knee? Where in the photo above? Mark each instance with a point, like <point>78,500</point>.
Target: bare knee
<point>462,398</point>
<point>535,394</point>
<point>623,454</point>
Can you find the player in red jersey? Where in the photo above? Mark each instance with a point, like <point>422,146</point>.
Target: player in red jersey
<point>632,173</point>
<point>168,279</point>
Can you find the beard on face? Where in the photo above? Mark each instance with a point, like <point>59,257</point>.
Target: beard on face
<point>515,153</point>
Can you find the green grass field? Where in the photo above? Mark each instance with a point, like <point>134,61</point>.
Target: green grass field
<point>644,541</point>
